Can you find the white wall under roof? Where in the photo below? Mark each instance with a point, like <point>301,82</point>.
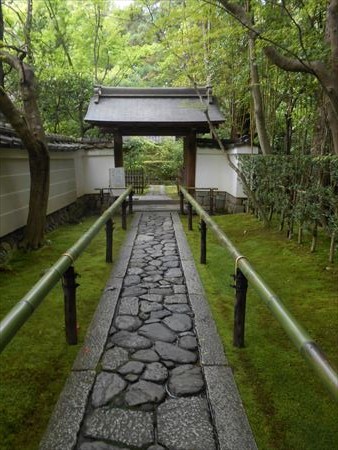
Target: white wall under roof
<point>213,170</point>
<point>72,174</point>
<point>95,169</point>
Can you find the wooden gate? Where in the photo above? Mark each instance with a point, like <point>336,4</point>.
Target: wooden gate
<point>136,178</point>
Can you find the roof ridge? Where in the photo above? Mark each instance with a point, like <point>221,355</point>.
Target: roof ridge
<point>164,92</point>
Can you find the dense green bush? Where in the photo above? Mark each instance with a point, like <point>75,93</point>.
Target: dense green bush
<point>302,190</point>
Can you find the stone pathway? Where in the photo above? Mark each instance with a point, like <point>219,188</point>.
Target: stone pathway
<point>150,392</point>
<point>152,373</point>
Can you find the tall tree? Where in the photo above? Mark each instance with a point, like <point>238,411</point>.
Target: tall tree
<point>28,125</point>
<point>2,75</point>
<point>245,16</point>
<point>326,71</point>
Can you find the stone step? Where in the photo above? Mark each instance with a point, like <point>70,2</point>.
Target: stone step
<point>145,201</point>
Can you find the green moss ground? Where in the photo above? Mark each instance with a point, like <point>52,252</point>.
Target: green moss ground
<point>36,364</point>
<point>286,404</point>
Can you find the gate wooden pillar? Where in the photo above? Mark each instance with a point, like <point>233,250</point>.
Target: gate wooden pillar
<point>118,149</point>
<point>190,150</point>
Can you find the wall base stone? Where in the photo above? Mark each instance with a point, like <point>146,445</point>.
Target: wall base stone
<point>223,202</point>
<point>86,205</point>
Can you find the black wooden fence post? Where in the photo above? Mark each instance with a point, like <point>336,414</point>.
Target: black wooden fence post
<point>181,203</point>
<point>203,228</point>
<point>109,241</point>
<point>189,217</point>
<point>69,291</point>
<point>240,304</point>
<point>130,202</point>
<point>124,215</point>
<point>101,196</point>
<point>211,202</point>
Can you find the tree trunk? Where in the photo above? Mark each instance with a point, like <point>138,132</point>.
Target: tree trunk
<point>320,127</point>
<point>246,185</point>
<point>327,76</point>
<point>257,99</point>
<point>38,200</point>
<point>2,75</point>
<point>314,237</point>
<point>333,123</point>
<point>27,31</point>
<point>30,130</point>
<point>282,220</point>
<point>332,246</point>
<point>300,233</point>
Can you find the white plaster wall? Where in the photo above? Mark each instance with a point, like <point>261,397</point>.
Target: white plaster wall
<point>72,174</point>
<point>15,186</point>
<point>79,157</point>
<point>14,190</point>
<point>213,170</point>
<point>96,165</point>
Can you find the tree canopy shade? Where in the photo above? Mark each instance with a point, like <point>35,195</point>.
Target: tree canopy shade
<point>147,111</point>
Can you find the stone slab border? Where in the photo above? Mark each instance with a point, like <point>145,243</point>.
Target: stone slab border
<point>232,426</point>
<point>65,422</point>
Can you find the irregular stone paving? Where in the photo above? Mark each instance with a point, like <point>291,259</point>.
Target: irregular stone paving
<point>149,392</point>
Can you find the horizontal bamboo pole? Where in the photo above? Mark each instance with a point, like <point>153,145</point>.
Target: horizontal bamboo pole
<point>298,335</point>
<point>20,313</point>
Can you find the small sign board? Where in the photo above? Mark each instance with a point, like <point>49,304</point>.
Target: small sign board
<point>117,181</point>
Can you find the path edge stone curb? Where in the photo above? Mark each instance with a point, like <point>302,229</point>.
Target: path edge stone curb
<point>232,426</point>
<point>66,419</point>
